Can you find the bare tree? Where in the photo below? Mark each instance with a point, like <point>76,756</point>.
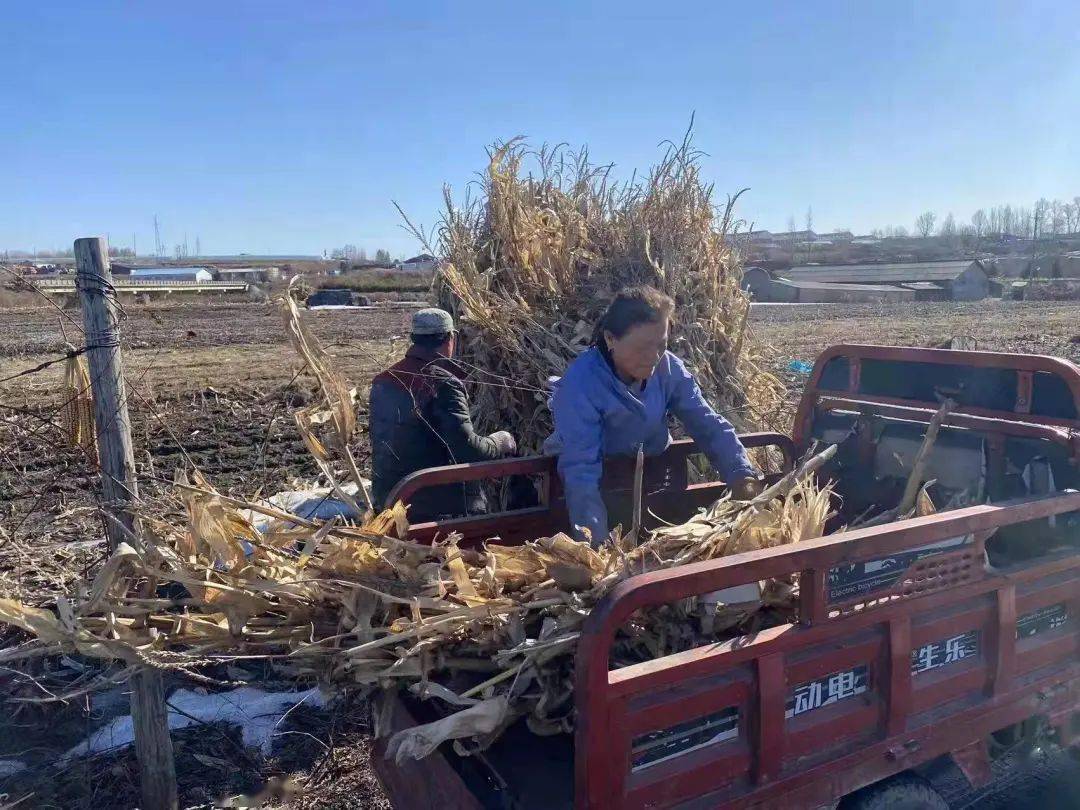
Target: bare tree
<point>1023,224</point>
<point>924,223</point>
<point>1009,222</point>
<point>979,223</point>
<point>809,221</point>
<point>1072,217</point>
<point>947,229</point>
<point>1057,217</point>
<point>1042,217</point>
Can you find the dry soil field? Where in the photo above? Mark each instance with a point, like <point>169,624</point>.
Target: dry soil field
<point>213,383</point>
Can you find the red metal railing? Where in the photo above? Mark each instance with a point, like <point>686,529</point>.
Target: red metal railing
<point>527,524</point>
<point>1024,365</point>
<point>852,742</point>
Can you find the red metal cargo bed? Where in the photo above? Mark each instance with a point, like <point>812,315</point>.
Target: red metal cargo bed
<point>916,640</point>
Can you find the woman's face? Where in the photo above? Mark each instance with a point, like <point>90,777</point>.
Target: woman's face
<point>637,352</point>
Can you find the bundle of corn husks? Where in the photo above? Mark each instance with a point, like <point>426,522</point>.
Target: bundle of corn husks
<point>489,632</point>
<point>530,266</point>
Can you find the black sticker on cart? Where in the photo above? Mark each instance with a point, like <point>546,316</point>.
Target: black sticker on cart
<point>1041,620</point>
<point>826,691</point>
<point>938,654</point>
<point>673,741</point>
<point>861,578</point>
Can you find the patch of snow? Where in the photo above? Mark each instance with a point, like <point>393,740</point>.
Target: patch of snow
<point>257,713</point>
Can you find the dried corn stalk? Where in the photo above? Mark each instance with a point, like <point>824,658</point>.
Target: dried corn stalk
<point>338,406</point>
<point>530,266</point>
<point>490,632</point>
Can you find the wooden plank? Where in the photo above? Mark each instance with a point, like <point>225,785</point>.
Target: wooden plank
<point>153,746</point>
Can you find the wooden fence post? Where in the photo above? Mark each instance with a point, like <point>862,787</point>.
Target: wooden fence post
<point>153,746</point>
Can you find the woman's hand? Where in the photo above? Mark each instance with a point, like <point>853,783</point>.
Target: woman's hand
<point>746,489</point>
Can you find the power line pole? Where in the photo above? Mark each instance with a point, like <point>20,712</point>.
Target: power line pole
<point>93,280</point>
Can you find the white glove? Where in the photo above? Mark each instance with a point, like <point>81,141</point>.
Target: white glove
<point>505,442</point>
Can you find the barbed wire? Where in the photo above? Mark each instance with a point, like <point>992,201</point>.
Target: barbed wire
<point>68,355</point>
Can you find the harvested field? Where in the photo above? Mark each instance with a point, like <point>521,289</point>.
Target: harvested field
<point>801,332</point>
<point>214,381</point>
<point>217,381</point>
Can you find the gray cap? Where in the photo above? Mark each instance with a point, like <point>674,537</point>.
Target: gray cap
<point>432,321</point>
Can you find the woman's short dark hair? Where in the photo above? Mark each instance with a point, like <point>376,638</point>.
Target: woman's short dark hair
<point>632,306</point>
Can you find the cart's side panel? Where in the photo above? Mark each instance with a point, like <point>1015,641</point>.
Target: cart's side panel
<point>997,385</point>
<point>669,494</point>
<point>845,698</point>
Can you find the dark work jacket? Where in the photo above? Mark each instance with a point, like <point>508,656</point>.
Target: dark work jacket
<point>419,418</point>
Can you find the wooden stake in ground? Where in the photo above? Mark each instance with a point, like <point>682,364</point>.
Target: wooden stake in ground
<point>157,772</point>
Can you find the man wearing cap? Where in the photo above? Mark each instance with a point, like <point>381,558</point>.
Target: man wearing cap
<point>419,418</point>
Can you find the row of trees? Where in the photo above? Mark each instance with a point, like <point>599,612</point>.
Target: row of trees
<point>351,253</point>
<point>1044,219</point>
<point>18,255</point>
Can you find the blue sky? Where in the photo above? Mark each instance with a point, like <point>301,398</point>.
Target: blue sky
<point>290,127</point>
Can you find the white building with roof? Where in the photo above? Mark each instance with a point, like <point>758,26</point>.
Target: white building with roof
<point>195,274</point>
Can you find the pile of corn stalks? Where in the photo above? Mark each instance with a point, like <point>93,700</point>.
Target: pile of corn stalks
<point>529,267</point>
<point>490,632</point>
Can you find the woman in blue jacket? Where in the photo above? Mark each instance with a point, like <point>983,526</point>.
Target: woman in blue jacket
<point>617,395</point>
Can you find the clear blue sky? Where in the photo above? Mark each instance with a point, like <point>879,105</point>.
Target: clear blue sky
<point>290,127</point>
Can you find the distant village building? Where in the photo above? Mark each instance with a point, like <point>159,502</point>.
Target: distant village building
<point>196,274</point>
<point>28,268</point>
<point>758,282</point>
<point>252,275</point>
<point>1066,265</point>
<point>789,237</point>
<point>424,263</point>
<point>964,280</point>
<point>911,281</point>
<point>836,236</point>
<point>773,287</point>
<point>1069,265</point>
